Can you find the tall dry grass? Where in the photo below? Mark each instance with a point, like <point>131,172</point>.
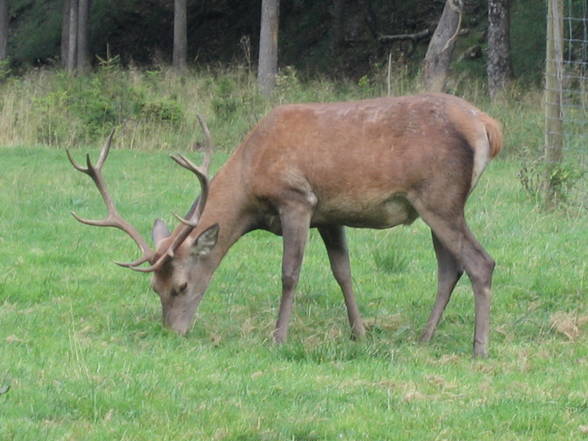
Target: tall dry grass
<point>157,109</point>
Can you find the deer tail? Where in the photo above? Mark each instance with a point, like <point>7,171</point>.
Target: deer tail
<point>494,133</point>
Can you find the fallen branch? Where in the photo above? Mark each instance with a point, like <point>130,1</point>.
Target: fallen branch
<point>413,37</point>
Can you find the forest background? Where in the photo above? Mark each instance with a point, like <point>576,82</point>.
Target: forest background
<point>356,48</point>
<point>337,39</point>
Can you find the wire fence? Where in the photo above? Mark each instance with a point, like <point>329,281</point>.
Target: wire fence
<point>566,128</point>
<point>574,87</point>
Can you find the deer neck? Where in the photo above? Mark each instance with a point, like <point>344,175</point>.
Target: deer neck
<point>227,207</point>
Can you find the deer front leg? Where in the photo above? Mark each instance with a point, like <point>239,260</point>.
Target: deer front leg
<point>448,274</point>
<point>334,238</point>
<point>295,220</point>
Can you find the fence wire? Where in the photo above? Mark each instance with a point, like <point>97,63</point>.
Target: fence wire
<point>575,79</point>
<point>571,86</point>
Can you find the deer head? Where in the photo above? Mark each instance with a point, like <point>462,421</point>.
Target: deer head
<point>179,263</point>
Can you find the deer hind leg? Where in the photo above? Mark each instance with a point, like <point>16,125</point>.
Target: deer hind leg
<point>450,228</point>
<point>449,272</point>
<point>334,239</point>
<point>480,273</point>
<point>295,220</point>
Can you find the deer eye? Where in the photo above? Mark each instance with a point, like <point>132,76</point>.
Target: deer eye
<point>181,289</point>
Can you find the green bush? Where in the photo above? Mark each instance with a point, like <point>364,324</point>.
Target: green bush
<point>225,102</point>
<point>563,180</point>
<point>85,108</point>
<point>165,110</point>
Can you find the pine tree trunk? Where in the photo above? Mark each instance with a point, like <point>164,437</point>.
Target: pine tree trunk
<point>499,66</point>
<point>65,33</point>
<point>3,29</point>
<point>180,52</point>
<point>268,46</point>
<point>83,58</point>
<point>438,56</point>
<point>337,17</point>
<point>72,48</point>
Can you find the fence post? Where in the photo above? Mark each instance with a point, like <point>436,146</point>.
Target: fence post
<point>553,97</point>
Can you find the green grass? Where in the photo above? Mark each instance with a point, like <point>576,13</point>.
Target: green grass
<point>86,358</point>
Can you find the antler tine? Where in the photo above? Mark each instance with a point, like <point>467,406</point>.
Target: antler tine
<point>137,262</point>
<point>75,164</point>
<point>185,221</point>
<point>201,172</point>
<point>113,218</point>
<point>95,223</point>
<point>105,150</point>
<point>182,161</point>
<point>198,206</point>
<point>205,129</point>
<point>147,269</point>
<point>208,145</point>
<point>90,169</point>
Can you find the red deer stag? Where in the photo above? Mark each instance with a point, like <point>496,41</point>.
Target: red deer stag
<point>374,163</point>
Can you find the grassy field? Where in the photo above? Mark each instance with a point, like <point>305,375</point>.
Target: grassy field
<point>85,357</point>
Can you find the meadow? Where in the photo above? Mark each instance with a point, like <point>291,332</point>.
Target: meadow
<point>84,355</point>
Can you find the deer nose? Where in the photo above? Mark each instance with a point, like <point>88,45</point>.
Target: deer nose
<point>178,326</point>
<point>181,330</point>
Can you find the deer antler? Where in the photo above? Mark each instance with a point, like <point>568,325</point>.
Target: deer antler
<point>113,219</point>
<point>202,171</point>
<point>191,220</point>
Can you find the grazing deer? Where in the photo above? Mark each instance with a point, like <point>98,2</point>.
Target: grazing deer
<point>374,163</point>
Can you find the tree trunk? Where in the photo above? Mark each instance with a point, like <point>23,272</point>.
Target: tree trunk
<point>72,46</point>
<point>3,29</point>
<point>438,56</point>
<point>268,46</point>
<point>83,57</point>
<point>499,66</point>
<point>65,33</point>
<point>180,53</point>
<point>337,18</point>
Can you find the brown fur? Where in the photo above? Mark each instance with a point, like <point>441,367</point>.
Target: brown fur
<point>494,131</point>
<point>373,163</point>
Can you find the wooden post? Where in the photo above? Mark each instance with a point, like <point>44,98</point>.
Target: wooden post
<point>553,97</point>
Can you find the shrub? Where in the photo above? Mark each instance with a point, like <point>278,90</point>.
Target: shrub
<point>563,179</point>
<point>225,101</point>
<point>165,110</point>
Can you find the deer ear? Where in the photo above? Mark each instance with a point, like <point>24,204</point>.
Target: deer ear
<point>159,231</point>
<point>206,241</point>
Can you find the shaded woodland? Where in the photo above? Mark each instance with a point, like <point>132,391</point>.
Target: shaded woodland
<point>334,38</point>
